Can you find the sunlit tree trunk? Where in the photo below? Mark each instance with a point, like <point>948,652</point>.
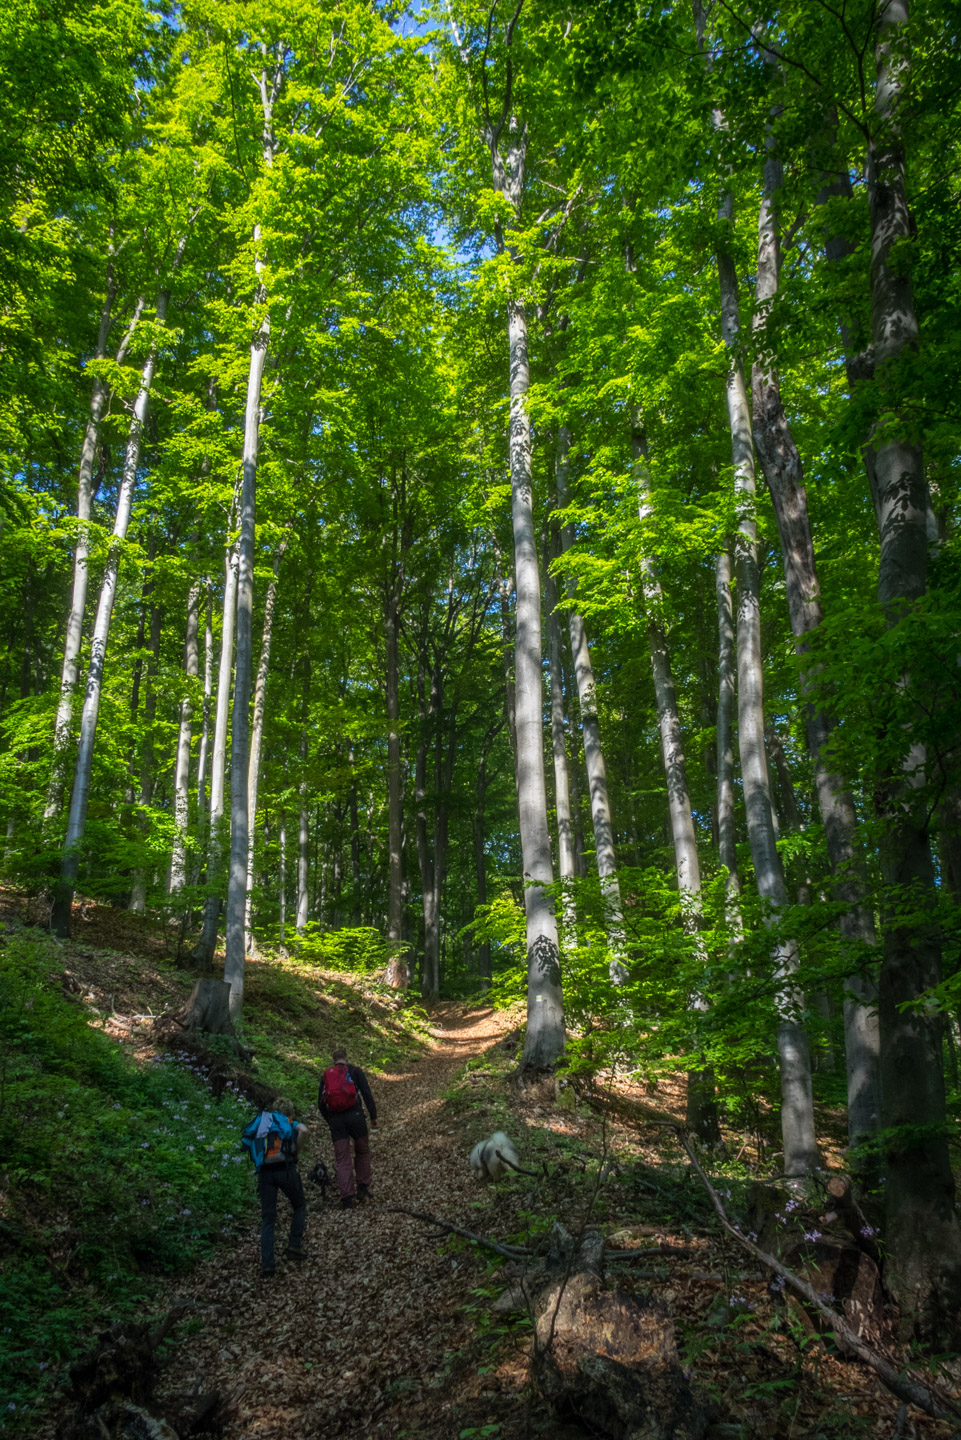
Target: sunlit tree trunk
<point>562,789</point>
<point>81,555</point>
<point>303,828</point>
<point>282,883</point>
<point>203,951</point>
<point>398,974</point>
<point>178,859</point>
<point>257,737</point>
<point>726,700</point>
<point>138,892</point>
<point>63,898</point>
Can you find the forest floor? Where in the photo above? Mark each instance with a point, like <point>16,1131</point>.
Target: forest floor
<point>387,1329</point>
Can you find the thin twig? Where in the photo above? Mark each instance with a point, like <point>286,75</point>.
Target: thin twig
<point>906,1385</point>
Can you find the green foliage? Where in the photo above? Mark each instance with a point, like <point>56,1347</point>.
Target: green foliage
<point>114,1172</point>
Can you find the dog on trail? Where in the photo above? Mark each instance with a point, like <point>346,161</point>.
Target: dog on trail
<point>320,1176</point>
<point>485,1161</point>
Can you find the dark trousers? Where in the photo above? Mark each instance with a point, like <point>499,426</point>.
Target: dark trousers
<point>343,1130</point>
<point>270,1179</point>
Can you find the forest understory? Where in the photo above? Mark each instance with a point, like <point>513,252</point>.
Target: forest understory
<point>389,1329</point>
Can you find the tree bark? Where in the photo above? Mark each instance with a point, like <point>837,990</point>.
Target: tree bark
<point>702,1117</point>
<point>726,699</point>
<point>178,859</point>
<point>202,755</point>
<point>257,737</point>
<point>81,555</point>
<point>76,823</point>
<point>303,829</point>
<point>203,951</point>
<point>797,1105</point>
<point>604,850</point>
<point>562,789</point>
<point>398,974</point>
<point>923,1236</point>
<point>138,892</point>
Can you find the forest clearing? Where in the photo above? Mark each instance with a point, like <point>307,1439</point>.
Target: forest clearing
<point>479,538</point>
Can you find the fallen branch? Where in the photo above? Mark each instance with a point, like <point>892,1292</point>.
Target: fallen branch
<point>519,1168</point>
<point>628,1255</point>
<point>509,1252</point>
<point>907,1386</point>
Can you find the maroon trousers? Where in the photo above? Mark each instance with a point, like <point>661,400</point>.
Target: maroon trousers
<point>345,1130</point>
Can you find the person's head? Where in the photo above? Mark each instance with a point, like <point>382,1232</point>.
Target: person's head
<point>340,1056</point>
<point>283,1106</point>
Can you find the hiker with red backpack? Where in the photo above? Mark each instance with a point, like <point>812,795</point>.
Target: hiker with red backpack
<point>341,1091</point>
<point>273,1140</point>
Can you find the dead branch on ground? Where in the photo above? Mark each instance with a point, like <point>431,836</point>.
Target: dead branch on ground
<point>509,1252</point>
<point>906,1385</point>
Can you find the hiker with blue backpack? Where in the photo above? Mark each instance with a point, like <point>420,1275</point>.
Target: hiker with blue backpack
<point>339,1101</point>
<point>273,1140</point>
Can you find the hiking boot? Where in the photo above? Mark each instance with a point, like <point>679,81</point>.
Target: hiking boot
<point>295,1253</point>
<point>266,1271</point>
<point>363,1193</point>
<point>347,1202</point>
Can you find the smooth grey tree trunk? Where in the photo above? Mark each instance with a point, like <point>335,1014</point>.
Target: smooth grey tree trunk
<point>203,951</point>
<point>269,83</point>
<point>203,752</point>
<point>257,737</point>
<point>781,464</point>
<point>282,883</point>
<point>81,556</point>
<point>544,1040</point>
<point>797,1104</point>
<point>77,819</point>
<point>726,700</point>
<point>545,1035</point>
<point>702,1117</point>
<point>923,1236</point>
<point>398,973</point>
<point>178,859</point>
<point>138,891</point>
<point>604,849</point>
<point>562,789</point>
<point>303,827</point>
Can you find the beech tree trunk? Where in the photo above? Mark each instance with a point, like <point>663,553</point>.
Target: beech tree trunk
<point>282,883</point>
<point>923,1236</point>
<point>398,974</point>
<point>701,1116</point>
<point>63,897</point>
<point>138,892</point>
<point>797,1104</point>
<point>544,1040</point>
<point>203,951</point>
<point>604,850</point>
<point>726,698</point>
<point>781,464</point>
<point>202,755</point>
<point>81,554</point>
<point>303,829</point>
<point>562,790</point>
<point>257,738</point>
<point>178,859</point>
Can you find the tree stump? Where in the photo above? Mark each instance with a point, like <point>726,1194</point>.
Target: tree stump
<point>610,1362</point>
<point>207,1008</point>
<point>397,975</point>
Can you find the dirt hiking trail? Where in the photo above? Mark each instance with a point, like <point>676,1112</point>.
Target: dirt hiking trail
<point>352,1342</point>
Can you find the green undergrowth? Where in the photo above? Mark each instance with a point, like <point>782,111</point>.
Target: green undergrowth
<point>116,1170</point>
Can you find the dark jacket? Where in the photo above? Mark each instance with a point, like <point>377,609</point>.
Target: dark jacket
<point>363,1093</point>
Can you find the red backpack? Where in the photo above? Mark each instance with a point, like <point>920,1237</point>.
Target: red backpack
<point>338,1092</point>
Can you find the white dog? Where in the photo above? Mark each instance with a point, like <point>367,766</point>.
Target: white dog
<point>485,1161</point>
